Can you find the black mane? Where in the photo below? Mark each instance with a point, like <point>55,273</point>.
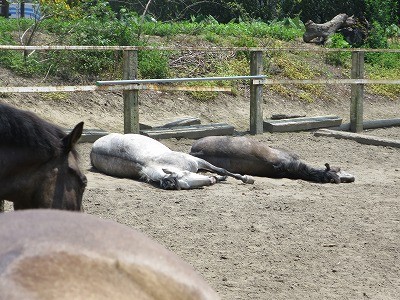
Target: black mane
<point>19,128</point>
<point>296,169</point>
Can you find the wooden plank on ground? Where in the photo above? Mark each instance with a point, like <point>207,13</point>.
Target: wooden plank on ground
<point>186,121</point>
<point>190,132</point>
<point>372,124</point>
<point>285,116</point>
<point>300,124</point>
<point>91,135</point>
<point>360,138</point>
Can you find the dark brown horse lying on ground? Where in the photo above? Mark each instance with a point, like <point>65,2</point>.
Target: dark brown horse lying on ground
<point>53,254</point>
<point>248,156</point>
<point>38,163</point>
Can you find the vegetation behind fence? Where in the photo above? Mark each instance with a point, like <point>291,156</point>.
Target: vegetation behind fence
<point>130,68</point>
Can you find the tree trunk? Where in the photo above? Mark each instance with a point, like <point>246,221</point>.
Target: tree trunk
<point>321,32</point>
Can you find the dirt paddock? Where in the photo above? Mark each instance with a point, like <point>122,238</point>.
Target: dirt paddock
<point>276,239</point>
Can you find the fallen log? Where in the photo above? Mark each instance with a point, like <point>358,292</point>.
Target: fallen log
<point>319,33</point>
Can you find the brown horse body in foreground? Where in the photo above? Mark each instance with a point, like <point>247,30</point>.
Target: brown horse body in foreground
<point>53,254</point>
<point>248,156</point>
<point>38,163</point>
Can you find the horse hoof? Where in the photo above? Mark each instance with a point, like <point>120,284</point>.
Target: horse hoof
<point>345,177</point>
<point>220,178</point>
<point>248,179</point>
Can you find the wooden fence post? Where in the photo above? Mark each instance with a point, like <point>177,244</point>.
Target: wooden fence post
<point>22,9</point>
<point>131,97</point>
<point>256,94</point>
<point>5,8</point>
<point>357,92</point>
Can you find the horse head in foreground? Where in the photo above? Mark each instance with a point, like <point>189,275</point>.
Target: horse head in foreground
<point>38,163</point>
<point>245,155</point>
<point>140,157</point>
<point>53,254</point>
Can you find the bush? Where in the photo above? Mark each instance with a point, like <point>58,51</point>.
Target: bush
<point>377,37</point>
<point>153,64</point>
<point>338,58</point>
<point>384,12</point>
<point>286,30</point>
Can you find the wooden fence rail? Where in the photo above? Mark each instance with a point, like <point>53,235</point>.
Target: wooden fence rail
<point>186,48</point>
<point>130,85</point>
<point>93,88</point>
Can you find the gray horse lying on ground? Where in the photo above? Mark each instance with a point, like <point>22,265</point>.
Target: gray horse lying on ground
<point>53,254</point>
<point>248,156</point>
<point>140,157</point>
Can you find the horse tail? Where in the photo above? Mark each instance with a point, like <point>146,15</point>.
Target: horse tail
<point>296,169</point>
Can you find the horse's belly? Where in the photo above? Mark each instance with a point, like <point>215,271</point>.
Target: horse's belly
<point>114,156</point>
<point>115,166</point>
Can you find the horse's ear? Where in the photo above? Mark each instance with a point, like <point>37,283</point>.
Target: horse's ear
<point>166,171</point>
<point>72,138</point>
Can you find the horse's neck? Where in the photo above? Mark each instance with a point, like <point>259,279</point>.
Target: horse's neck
<point>152,172</point>
<point>15,159</point>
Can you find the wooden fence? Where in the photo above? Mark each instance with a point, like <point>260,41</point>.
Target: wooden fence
<point>131,86</point>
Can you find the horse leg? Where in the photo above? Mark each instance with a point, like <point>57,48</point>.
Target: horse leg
<point>205,165</point>
<point>187,180</point>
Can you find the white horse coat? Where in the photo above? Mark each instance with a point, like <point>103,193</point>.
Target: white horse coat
<point>140,157</point>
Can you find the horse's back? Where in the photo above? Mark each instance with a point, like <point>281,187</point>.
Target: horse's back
<point>51,254</point>
<point>124,155</point>
<point>23,129</point>
<point>25,140</point>
<point>132,146</point>
<point>234,147</point>
<point>237,154</point>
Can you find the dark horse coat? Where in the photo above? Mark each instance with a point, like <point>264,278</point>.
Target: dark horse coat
<point>248,156</point>
<point>38,164</point>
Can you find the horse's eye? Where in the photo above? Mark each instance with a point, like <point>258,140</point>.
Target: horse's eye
<point>76,172</point>
<point>84,180</point>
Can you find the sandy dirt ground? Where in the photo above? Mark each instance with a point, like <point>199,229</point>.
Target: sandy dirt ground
<point>277,238</point>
